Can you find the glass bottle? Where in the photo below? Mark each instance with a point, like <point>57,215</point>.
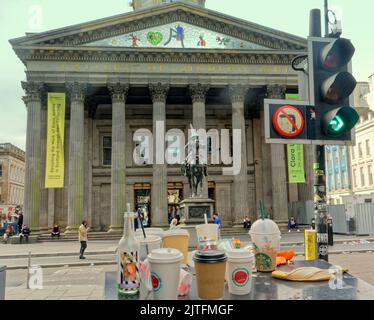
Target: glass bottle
<point>128,279</point>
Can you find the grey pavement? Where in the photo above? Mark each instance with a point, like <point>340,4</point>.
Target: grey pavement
<point>66,283</point>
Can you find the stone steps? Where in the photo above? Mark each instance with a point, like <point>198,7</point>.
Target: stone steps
<point>100,236</point>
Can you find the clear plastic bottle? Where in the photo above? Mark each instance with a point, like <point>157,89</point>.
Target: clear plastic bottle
<point>128,279</point>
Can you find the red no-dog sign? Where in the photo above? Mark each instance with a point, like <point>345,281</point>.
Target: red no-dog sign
<point>288,121</point>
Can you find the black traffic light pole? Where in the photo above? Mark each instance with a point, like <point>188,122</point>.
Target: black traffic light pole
<point>320,204</point>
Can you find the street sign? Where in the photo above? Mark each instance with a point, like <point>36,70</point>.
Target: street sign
<point>288,121</point>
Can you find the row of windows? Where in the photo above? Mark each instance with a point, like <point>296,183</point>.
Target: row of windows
<point>17,173</point>
<point>16,195</point>
<point>366,176</point>
<point>338,182</point>
<point>358,150</point>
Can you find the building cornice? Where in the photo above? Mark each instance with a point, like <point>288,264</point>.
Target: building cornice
<point>155,56</point>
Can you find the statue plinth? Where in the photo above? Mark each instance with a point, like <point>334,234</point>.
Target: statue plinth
<point>194,208</point>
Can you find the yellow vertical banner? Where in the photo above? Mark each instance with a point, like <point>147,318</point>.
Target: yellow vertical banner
<point>295,155</point>
<point>55,164</point>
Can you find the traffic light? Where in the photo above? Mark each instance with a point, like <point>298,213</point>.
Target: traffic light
<point>331,84</point>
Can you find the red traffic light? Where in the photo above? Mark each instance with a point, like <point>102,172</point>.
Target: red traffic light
<point>337,54</point>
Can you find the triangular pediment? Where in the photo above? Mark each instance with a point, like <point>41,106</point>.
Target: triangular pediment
<point>176,35</point>
<point>218,31</point>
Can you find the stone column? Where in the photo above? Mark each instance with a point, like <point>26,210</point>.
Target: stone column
<point>118,93</point>
<point>33,154</point>
<point>278,167</point>
<point>259,185</point>
<point>76,157</point>
<point>266,168</point>
<point>159,215</point>
<point>198,94</point>
<point>240,185</point>
<point>44,192</point>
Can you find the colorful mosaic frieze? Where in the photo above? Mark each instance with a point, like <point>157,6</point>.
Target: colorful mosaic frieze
<point>176,35</point>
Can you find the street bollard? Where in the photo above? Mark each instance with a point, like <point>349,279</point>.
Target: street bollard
<point>2,282</point>
<point>28,271</point>
<point>330,231</point>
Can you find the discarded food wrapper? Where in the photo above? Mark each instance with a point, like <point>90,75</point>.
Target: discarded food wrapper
<point>185,281</point>
<point>145,274</point>
<point>304,274</point>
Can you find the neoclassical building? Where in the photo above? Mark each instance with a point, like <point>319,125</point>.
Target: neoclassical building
<point>175,62</point>
<point>12,175</point>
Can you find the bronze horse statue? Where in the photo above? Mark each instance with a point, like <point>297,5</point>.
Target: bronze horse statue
<point>195,174</point>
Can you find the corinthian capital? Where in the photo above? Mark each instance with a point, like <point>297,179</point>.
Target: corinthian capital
<point>198,92</point>
<point>118,91</point>
<point>238,92</point>
<point>77,91</point>
<point>33,90</point>
<point>159,91</point>
<point>276,91</point>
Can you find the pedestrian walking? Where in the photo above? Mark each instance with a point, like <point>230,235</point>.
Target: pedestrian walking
<point>83,238</point>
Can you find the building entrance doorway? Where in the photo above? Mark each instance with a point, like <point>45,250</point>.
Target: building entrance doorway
<point>175,195</point>
<point>142,193</point>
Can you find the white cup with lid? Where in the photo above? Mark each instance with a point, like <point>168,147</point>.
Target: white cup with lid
<point>165,265</point>
<point>265,236</point>
<point>239,271</point>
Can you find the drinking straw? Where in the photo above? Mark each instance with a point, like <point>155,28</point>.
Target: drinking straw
<point>206,218</point>
<point>144,235</point>
<point>262,210</point>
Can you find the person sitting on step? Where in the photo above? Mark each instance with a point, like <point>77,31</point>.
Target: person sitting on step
<point>25,233</point>
<point>292,224</point>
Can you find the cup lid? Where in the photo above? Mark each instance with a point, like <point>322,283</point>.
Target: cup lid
<point>176,232</point>
<point>209,225</point>
<point>266,226</point>
<point>165,255</point>
<point>210,256</point>
<point>239,254</point>
<point>149,239</point>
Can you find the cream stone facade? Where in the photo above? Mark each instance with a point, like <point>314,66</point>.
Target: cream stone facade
<point>175,62</point>
<point>12,175</point>
<point>362,157</point>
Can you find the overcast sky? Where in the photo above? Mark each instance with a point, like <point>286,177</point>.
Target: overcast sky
<point>287,15</point>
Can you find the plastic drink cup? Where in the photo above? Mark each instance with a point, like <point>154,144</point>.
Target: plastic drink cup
<point>239,271</point>
<point>165,265</point>
<point>265,236</point>
<point>207,232</point>
<point>152,242</point>
<point>210,269</point>
<point>150,231</point>
<point>177,239</point>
